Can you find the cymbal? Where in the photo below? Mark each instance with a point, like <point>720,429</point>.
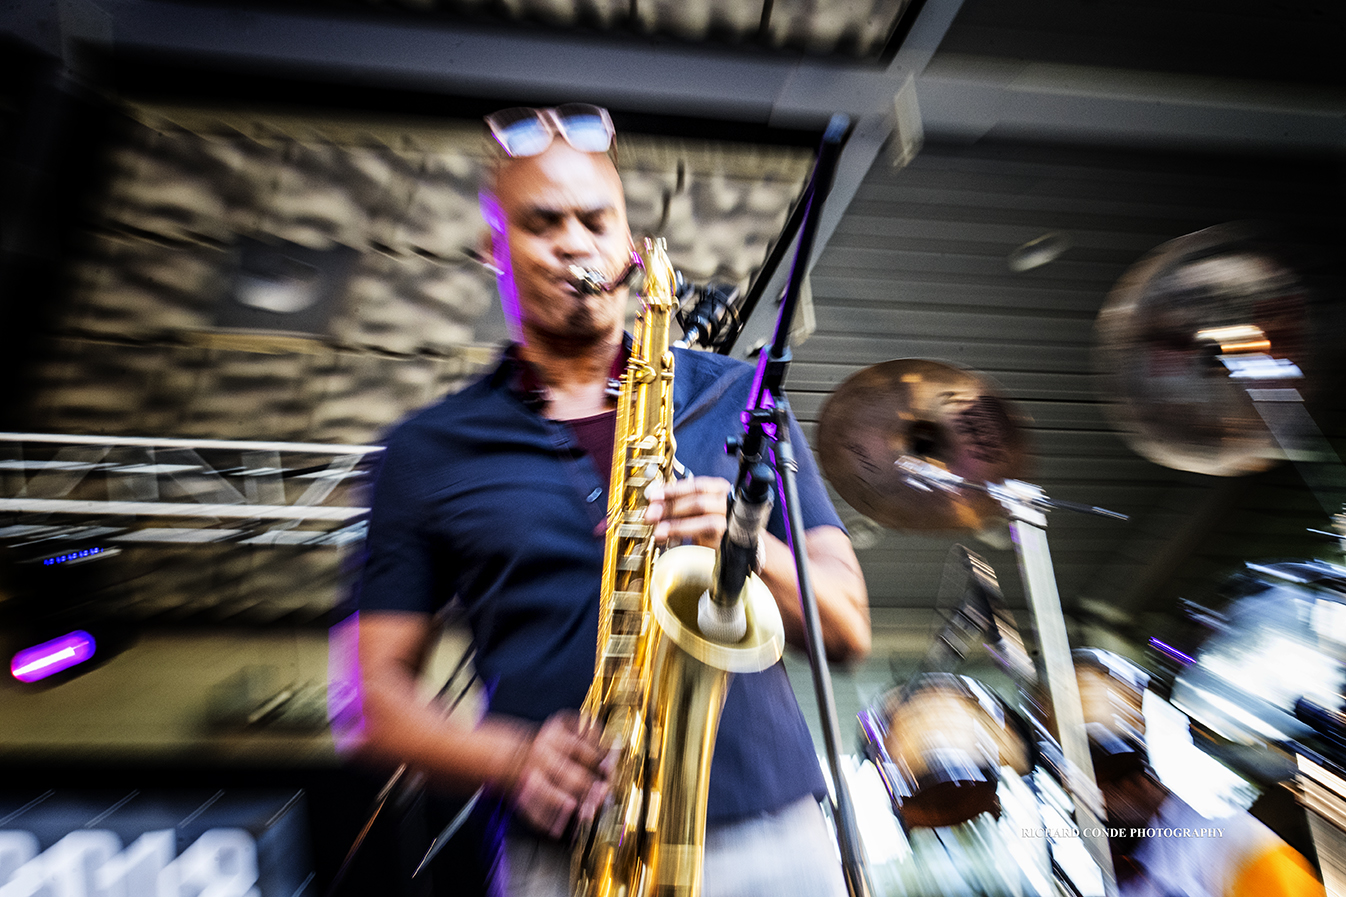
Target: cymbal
<point>1167,332</point>
<point>943,414</point>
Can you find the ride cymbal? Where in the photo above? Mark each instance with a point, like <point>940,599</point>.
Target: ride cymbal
<point>1184,334</point>
<point>939,413</point>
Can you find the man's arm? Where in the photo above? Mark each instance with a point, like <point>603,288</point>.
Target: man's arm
<point>549,772</point>
<point>838,585</point>
<point>693,510</point>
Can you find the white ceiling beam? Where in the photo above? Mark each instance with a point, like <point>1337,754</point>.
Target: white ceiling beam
<point>967,98</point>
<point>959,97</point>
<point>621,70</point>
<point>818,87</point>
<point>963,97</point>
<point>624,71</point>
<point>777,89</point>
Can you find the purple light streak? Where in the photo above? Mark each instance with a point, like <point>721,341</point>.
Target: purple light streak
<point>49,658</point>
<point>1172,651</point>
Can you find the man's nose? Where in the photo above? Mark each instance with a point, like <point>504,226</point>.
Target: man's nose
<point>575,240</point>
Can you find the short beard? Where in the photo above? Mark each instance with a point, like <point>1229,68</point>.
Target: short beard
<point>579,336</point>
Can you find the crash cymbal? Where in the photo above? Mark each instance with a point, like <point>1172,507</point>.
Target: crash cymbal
<point>943,414</point>
<point>1166,336</point>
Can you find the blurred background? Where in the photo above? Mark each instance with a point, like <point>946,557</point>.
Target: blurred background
<point>240,240</point>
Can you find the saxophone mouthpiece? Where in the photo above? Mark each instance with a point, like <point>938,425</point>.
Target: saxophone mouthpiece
<point>590,281</point>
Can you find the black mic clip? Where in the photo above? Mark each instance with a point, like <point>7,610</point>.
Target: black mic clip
<point>708,313</point>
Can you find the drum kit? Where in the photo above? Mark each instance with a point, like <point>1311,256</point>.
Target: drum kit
<point>1210,357</point>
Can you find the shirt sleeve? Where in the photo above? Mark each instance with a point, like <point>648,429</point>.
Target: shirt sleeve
<point>398,573</point>
<point>814,502</point>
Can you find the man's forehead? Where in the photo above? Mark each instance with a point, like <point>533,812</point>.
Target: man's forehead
<point>559,179</point>
<point>559,209</point>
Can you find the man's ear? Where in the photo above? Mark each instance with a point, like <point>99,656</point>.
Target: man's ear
<point>484,253</point>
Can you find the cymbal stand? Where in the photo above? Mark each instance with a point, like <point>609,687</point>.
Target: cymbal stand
<point>1025,506</point>
<point>1271,386</point>
<point>982,615</point>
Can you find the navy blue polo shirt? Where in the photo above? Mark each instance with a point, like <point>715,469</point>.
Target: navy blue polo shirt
<point>482,497</point>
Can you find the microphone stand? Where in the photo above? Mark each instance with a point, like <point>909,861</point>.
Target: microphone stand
<point>766,419</point>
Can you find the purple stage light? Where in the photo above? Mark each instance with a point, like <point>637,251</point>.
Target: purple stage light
<point>1172,651</point>
<point>48,658</point>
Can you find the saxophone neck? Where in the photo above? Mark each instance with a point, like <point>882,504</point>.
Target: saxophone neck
<point>659,289</point>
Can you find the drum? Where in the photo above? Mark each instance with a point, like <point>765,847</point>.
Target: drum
<point>939,743</point>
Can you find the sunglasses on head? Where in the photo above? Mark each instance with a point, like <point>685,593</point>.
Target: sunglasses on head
<point>525,131</point>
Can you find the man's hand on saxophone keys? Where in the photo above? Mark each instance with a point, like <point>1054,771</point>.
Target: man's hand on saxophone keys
<point>561,774</point>
<point>690,511</point>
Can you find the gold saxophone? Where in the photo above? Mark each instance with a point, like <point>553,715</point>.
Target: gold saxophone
<point>659,684</point>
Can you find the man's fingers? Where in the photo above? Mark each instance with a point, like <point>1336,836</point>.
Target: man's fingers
<point>563,773</point>
<point>565,733</point>
<point>698,488</point>
<point>545,806</point>
<point>700,504</point>
<point>703,530</point>
<point>693,495</point>
<point>550,797</point>
<point>588,807</point>
<point>608,764</point>
<point>565,811</point>
<point>569,759</point>
<point>690,510</point>
<point>561,809</point>
<point>572,777</point>
<point>585,745</point>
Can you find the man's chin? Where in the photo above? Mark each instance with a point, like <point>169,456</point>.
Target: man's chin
<point>578,340</point>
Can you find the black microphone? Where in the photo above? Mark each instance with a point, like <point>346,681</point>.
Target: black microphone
<point>720,614</point>
<point>711,318</point>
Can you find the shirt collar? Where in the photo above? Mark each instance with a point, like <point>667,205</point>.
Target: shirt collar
<point>521,378</point>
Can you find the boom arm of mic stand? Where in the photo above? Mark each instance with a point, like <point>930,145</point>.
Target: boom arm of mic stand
<point>803,219</point>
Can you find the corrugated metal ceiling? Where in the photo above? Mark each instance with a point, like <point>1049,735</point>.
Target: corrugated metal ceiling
<point>861,29</point>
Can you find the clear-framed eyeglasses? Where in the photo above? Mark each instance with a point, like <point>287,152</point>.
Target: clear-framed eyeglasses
<point>526,131</point>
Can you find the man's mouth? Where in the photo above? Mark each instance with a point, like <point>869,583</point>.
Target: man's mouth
<point>570,290</point>
<point>588,281</point>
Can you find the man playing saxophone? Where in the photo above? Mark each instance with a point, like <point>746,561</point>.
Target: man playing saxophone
<point>497,496</point>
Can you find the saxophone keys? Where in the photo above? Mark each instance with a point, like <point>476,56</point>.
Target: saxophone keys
<point>627,601</point>
<point>621,646</point>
